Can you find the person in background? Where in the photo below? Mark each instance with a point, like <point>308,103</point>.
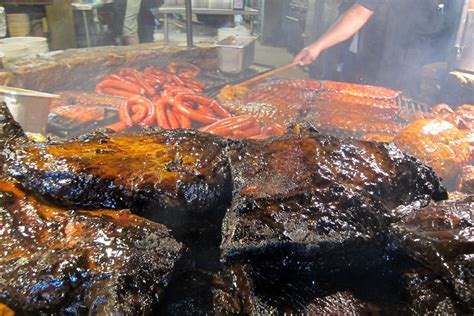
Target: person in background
<point>418,33</point>
<point>346,27</point>
<point>133,20</point>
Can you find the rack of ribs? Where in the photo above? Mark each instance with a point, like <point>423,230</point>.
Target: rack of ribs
<point>55,260</point>
<point>276,102</point>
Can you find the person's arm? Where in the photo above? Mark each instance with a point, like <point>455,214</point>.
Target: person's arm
<point>351,22</point>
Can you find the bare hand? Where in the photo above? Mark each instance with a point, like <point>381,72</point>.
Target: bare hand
<point>308,55</point>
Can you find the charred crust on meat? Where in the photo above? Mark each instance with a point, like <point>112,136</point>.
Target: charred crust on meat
<point>303,207</point>
<point>72,261</point>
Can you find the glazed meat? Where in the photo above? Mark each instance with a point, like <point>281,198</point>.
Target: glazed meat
<point>256,290</point>
<point>466,180</point>
<point>77,115</point>
<point>427,293</point>
<point>436,143</point>
<point>462,117</point>
<point>304,161</point>
<point>314,196</point>
<point>441,237</point>
<point>376,137</point>
<point>78,262</point>
<point>358,90</point>
<point>244,290</point>
<point>354,110</point>
<point>167,170</point>
<point>343,119</point>
<point>87,99</point>
<point>361,104</point>
<point>276,102</point>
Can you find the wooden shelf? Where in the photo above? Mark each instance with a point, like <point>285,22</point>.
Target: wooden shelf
<point>26,2</point>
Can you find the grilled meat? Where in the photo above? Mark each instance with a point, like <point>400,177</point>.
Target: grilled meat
<point>6,311</point>
<point>466,180</point>
<point>363,91</point>
<point>360,104</point>
<point>342,119</point>
<point>441,237</point>
<point>256,290</point>
<point>77,115</point>
<point>62,261</point>
<point>353,110</point>
<point>167,170</point>
<point>426,293</point>
<point>462,118</point>
<point>345,107</point>
<point>314,196</point>
<point>303,203</point>
<point>277,102</point>
<point>436,143</point>
<point>376,137</point>
<point>87,99</point>
<point>304,161</point>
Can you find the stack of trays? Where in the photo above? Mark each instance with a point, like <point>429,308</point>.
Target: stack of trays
<point>13,51</point>
<point>34,45</point>
<point>18,24</point>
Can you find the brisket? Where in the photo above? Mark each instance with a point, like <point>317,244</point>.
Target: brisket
<point>171,170</point>
<point>257,290</point>
<point>441,237</point>
<point>306,195</point>
<point>77,262</point>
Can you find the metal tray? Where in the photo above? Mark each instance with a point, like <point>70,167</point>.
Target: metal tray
<point>236,53</point>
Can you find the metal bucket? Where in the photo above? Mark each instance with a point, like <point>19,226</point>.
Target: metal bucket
<point>236,53</point>
<point>29,108</point>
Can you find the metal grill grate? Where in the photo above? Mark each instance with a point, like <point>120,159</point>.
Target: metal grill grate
<point>410,105</point>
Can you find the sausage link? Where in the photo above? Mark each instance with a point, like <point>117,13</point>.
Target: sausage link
<point>174,123</point>
<point>122,86</point>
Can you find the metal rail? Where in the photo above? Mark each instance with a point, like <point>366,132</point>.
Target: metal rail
<point>189,23</point>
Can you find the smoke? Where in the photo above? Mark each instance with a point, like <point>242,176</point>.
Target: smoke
<point>401,38</point>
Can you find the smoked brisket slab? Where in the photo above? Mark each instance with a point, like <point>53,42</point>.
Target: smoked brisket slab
<point>307,195</point>
<point>441,237</point>
<point>256,290</point>
<point>171,170</point>
<point>78,262</point>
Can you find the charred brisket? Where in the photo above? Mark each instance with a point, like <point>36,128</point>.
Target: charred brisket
<point>172,170</point>
<point>441,237</point>
<point>314,196</point>
<point>77,262</point>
